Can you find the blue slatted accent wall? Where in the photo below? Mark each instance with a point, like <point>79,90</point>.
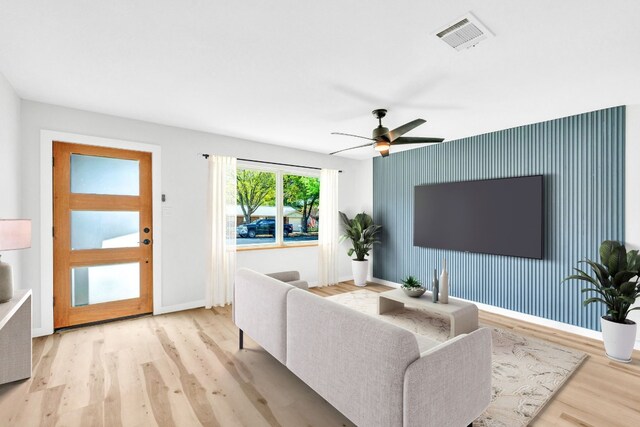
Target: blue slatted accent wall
<point>582,160</point>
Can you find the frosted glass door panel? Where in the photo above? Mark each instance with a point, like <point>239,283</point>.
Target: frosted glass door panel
<point>104,175</point>
<point>104,229</point>
<point>104,283</point>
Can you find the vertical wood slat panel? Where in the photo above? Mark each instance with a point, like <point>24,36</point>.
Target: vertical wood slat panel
<point>582,160</point>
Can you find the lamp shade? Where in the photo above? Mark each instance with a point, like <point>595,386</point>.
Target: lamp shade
<point>15,234</point>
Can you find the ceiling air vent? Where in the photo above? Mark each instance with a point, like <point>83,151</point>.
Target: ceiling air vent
<point>466,32</point>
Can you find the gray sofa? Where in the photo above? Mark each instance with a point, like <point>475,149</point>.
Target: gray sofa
<point>375,373</point>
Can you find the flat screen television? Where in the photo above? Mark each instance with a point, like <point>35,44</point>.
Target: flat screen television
<point>494,216</point>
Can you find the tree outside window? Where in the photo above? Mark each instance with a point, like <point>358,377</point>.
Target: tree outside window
<point>255,188</point>
<point>302,193</point>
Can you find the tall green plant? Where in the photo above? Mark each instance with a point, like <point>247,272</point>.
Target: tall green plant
<point>362,232</point>
<point>616,283</point>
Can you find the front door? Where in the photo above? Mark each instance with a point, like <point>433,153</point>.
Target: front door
<point>102,233</point>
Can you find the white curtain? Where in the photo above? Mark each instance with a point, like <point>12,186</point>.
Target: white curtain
<point>222,226</point>
<point>329,231</point>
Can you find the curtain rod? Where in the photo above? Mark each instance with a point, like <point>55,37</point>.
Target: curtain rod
<point>206,156</point>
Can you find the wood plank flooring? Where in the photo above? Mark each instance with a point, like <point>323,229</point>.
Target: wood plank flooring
<point>185,369</point>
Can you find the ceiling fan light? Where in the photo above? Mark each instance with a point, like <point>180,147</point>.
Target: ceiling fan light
<point>382,146</point>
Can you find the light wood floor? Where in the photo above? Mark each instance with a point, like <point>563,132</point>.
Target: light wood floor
<point>184,369</point>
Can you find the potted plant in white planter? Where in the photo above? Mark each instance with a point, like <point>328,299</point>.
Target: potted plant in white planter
<point>362,232</point>
<point>616,286</point>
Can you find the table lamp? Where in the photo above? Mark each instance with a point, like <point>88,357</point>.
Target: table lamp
<point>14,234</point>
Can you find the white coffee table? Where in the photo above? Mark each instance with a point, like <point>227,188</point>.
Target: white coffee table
<point>462,315</point>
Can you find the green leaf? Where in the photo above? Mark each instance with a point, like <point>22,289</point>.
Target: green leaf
<point>617,260</point>
<point>600,270</point>
<point>596,290</point>
<point>622,277</point>
<point>633,261</point>
<point>592,300</point>
<point>606,249</point>
<point>345,219</point>
<point>584,277</point>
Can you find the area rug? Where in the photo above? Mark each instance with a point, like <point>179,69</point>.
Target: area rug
<point>527,372</point>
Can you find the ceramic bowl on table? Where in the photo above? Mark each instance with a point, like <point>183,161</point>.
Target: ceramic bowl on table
<point>414,292</point>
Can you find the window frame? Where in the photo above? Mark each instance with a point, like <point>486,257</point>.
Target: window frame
<point>280,172</point>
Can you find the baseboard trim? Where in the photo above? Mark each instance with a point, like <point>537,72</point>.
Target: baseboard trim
<point>40,332</point>
<point>179,307</point>
<point>577,330</point>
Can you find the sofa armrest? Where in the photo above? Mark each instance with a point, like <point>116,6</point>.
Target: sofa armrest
<point>450,385</point>
<point>300,284</point>
<point>285,276</point>
<point>260,310</point>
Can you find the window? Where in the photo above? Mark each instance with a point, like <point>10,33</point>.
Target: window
<point>257,211</point>
<point>301,200</point>
<point>276,208</point>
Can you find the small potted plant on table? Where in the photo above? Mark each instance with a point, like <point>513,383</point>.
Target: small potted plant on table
<point>413,287</point>
<point>616,286</point>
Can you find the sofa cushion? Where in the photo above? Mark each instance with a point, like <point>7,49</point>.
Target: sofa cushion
<point>356,362</point>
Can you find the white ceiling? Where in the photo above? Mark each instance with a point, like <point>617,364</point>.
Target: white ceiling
<point>290,72</point>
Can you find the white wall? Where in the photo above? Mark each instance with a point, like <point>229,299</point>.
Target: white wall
<point>184,181</point>
<point>9,167</point>
<point>632,189</point>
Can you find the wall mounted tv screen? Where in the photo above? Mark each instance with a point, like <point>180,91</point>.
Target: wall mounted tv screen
<point>496,216</point>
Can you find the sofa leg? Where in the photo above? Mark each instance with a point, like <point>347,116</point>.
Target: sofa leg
<point>241,339</point>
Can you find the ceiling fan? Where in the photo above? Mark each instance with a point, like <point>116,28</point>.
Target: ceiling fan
<point>382,139</point>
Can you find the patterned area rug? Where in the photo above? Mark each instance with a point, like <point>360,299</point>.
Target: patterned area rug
<point>526,371</point>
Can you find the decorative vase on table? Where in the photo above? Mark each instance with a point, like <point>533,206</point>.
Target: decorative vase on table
<point>435,287</point>
<point>444,283</point>
<point>360,270</point>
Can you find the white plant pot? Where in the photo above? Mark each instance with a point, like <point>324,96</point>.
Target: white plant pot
<point>360,271</point>
<point>619,339</point>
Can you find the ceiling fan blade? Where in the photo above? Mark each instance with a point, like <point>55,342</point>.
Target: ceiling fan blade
<point>417,140</point>
<point>352,148</point>
<point>398,132</point>
<point>384,153</point>
<point>355,136</point>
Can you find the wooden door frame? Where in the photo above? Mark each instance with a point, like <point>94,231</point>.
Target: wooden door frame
<point>46,216</point>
